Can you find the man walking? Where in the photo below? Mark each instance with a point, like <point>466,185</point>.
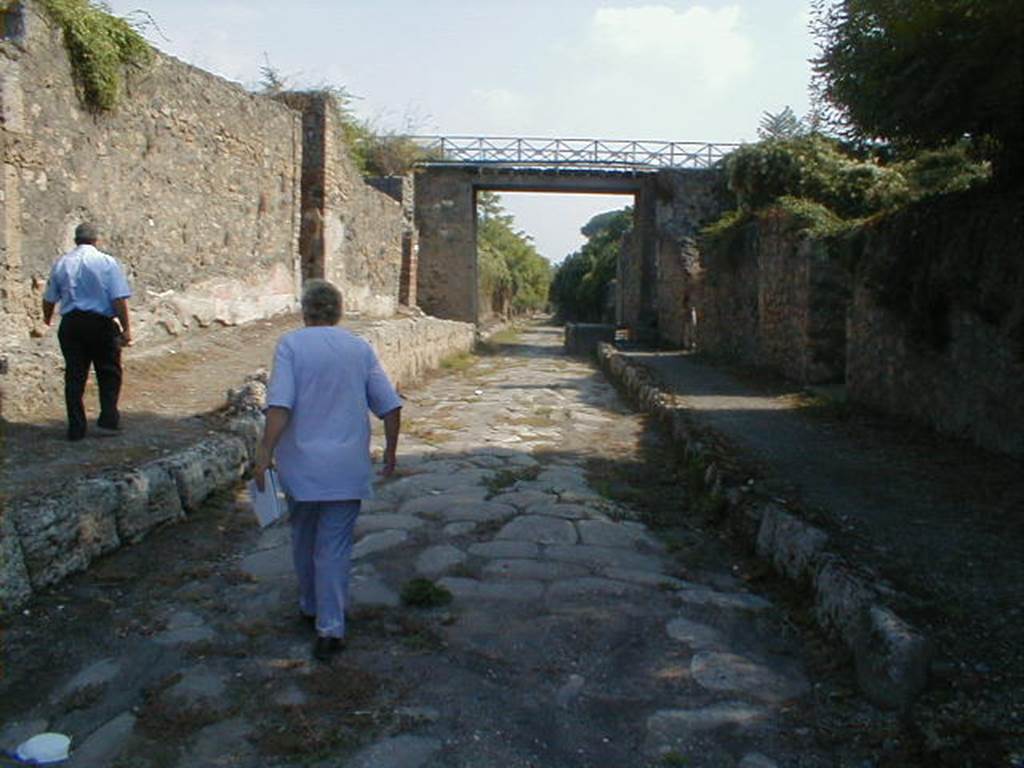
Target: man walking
<point>92,291</point>
<point>325,383</point>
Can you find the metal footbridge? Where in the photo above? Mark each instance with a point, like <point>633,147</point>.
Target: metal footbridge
<point>570,153</point>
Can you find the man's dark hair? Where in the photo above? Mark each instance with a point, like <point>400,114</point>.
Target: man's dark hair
<point>86,234</point>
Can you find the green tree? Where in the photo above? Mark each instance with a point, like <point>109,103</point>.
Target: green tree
<point>579,288</point>
<point>781,125</point>
<point>514,278</point>
<point>925,73</point>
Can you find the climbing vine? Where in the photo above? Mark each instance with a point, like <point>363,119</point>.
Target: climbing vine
<point>100,47</point>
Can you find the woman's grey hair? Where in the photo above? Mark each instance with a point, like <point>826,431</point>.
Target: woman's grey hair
<point>321,303</point>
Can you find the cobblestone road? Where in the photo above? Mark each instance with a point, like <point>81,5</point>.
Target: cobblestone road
<point>576,636</point>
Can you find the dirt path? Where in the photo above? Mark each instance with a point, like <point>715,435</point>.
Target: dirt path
<point>170,394</point>
<point>593,620</point>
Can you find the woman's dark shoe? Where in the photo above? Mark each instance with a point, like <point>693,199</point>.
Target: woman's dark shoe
<point>325,648</point>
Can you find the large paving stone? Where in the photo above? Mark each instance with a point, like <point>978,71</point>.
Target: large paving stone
<point>199,685</point>
<point>505,549</point>
<point>453,530</point>
<point>268,564</point>
<point>366,591</point>
<point>383,522</point>
<point>565,511</point>
<point>436,560</point>
<point>381,541</point>
<point>532,570</point>
<point>523,500</point>
<point>406,751</point>
<point>98,673</point>
<point>651,579</point>
<point>604,557</point>
<point>426,484</point>
<point>222,744</point>
<point>697,636</point>
<point>757,760</point>
<point>459,508</point>
<point>589,586</point>
<point>103,746</point>
<point>516,591</point>
<point>731,672</point>
<point>681,725</point>
<point>604,533</point>
<point>184,627</point>
<point>539,530</point>
<point>736,601</point>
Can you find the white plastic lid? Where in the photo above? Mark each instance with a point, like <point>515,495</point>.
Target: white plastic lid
<point>45,748</point>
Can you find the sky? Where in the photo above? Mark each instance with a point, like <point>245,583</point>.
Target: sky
<point>670,70</point>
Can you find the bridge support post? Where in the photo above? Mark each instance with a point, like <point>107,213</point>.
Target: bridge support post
<point>446,281</point>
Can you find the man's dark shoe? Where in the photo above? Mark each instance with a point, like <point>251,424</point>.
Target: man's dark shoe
<point>326,648</point>
<point>74,437</point>
<point>108,429</point>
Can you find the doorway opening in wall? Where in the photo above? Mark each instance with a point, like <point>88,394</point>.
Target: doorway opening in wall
<point>550,253</point>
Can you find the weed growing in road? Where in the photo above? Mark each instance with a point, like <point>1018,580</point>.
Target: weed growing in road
<point>675,760</point>
<point>506,478</point>
<point>460,362</point>
<point>423,593</point>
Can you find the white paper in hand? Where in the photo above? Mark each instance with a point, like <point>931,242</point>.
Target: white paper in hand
<point>267,505</point>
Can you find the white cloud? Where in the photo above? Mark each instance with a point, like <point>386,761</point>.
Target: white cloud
<point>698,46</point>
<point>648,72</point>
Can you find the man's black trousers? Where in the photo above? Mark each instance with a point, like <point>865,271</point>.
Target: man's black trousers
<point>90,339</point>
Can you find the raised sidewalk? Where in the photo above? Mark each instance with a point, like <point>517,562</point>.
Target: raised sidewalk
<point>909,543</point>
<point>65,504</point>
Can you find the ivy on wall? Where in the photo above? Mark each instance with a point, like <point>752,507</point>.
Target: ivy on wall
<point>100,46</point>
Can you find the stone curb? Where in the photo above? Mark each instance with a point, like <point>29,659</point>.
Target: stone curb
<point>44,540</point>
<point>891,657</point>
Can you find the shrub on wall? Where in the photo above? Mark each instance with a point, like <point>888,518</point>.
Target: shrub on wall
<point>100,46</point>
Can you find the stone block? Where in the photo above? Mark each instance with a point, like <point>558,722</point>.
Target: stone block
<point>15,587</point>
<point>148,497</point>
<point>583,338</point>
<point>892,659</point>
<point>62,534</point>
<point>211,465</point>
<point>790,544</point>
<point>842,598</point>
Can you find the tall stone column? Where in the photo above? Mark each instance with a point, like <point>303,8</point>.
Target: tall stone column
<point>446,284</point>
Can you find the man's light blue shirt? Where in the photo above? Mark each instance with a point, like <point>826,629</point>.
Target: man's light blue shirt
<point>86,279</point>
<point>330,380</point>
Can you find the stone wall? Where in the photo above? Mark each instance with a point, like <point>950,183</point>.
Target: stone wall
<point>770,296</point>
<point>351,233</point>
<point>686,202</point>
<point>193,181</point>
<point>936,324</point>
<point>727,296</point>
